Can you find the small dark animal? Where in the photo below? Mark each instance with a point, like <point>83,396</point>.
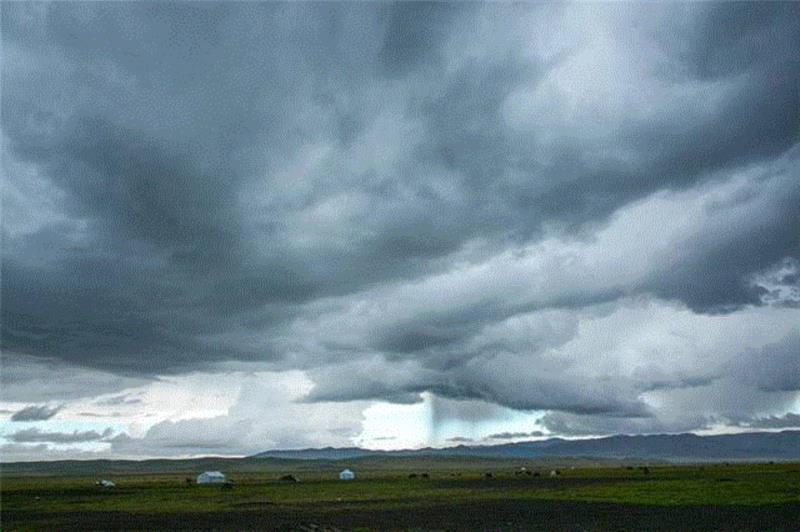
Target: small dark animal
<point>188,481</point>
<point>289,478</point>
<point>425,475</point>
<point>537,474</point>
<point>528,473</point>
<point>646,470</point>
<point>228,485</point>
<point>412,475</point>
<point>488,475</point>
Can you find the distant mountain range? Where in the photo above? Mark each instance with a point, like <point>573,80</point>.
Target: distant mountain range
<point>674,447</point>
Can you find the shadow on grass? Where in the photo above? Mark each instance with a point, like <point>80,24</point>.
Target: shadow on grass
<point>475,515</point>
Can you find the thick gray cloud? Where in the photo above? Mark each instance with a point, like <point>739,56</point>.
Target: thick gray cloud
<point>400,198</point>
<point>34,435</point>
<point>29,379</point>
<point>773,368</point>
<point>36,413</point>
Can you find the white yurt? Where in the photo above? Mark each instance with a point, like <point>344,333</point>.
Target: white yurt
<point>347,474</point>
<point>211,477</point>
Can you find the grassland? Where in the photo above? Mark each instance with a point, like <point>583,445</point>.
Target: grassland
<point>456,496</point>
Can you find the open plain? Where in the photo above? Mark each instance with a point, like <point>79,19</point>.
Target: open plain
<point>392,494</point>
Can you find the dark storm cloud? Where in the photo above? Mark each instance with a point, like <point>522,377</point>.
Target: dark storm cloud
<point>23,375</point>
<point>36,413</point>
<point>191,184</point>
<point>414,33</point>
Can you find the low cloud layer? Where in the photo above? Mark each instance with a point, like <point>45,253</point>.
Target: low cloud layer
<point>34,435</point>
<point>35,413</point>
<point>591,212</point>
<point>516,435</point>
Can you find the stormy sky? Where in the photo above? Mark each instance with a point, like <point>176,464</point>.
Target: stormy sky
<point>234,227</point>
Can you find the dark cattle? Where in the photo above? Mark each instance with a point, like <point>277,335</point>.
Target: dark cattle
<point>425,475</point>
<point>487,475</point>
<point>289,478</point>
<point>412,475</point>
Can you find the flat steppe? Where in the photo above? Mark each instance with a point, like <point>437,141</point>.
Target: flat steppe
<point>456,495</point>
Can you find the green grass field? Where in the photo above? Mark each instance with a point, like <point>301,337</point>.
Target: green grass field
<point>457,496</point>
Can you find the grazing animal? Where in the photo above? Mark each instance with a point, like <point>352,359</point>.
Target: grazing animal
<point>289,478</point>
<point>412,475</point>
<point>488,475</point>
<point>425,475</point>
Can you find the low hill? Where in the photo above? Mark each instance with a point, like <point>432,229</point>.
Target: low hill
<point>674,447</point>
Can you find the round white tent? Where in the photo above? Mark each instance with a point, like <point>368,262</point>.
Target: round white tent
<point>211,477</point>
<point>347,474</point>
